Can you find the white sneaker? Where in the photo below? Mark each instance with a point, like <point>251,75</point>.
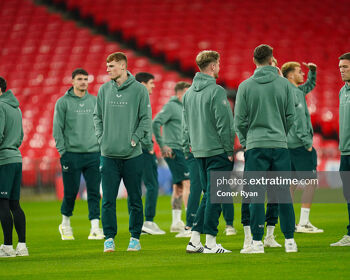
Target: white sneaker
<point>152,228</point>
<point>6,252</point>
<point>218,249</point>
<point>345,241</point>
<point>230,230</point>
<point>291,247</point>
<point>307,228</point>
<point>254,249</point>
<point>96,234</point>
<point>184,233</point>
<point>270,241</point>
<point>248,240</point>
<point>194,249</point>
<point>66,232</point>
<point>23,252</point>
<point>177,227</point>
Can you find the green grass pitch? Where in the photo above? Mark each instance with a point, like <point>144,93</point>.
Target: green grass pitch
<point>164,257</point>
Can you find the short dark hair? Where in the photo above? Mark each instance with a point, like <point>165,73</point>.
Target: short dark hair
<point>144,77</point>
<point>79,71</point>
<point>345,56</point>
<point>181,86</point>
<point>117,56</point>
<point>3,84</point>
<point>263,53</point>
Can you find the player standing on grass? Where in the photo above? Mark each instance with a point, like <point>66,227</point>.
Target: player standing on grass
<point>74,133</point>
<point>122,120</point>
<point>11,136</point>
<point>303,156</point>
<point>170,142</point>
<point>264,113</point>
<point>344,137</point>
<point>150,170</point>
<point>208,118</point>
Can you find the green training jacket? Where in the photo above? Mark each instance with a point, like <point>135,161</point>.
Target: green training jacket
<point>264,110</point>
<point>11,130</point>
<point>344,117</point>
<point>122,114</point>
<point>207,118</point>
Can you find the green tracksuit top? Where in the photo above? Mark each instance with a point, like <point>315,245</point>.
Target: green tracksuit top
<point>301,133</point>
<point>11,130</point>
<point>264,110</point>
<point>73,125</point>
<point>207,118</point>
<point>170,118</point>
<point>344,120</point>
<point>122,114</point>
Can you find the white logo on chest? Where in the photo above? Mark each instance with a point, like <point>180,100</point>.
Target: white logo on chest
<point>81,104</point>
<point>119,95</point>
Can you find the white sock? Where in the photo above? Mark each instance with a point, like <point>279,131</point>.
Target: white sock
<point>270,230</point>
<point>257,242</point>
<point>290,240</point>
<point>304,216</point>
<point>21,245</point>
<point>210,241</point>
<point>176,216</point>
<point>65,221</point>
<point>247,232</point>
<point>195,238</point>
<point>95,223</point>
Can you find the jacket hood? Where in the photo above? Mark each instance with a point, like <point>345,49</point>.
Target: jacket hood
<point>265,74</point>
<point>175,99</point>
<point>8,98</point>
<point>128,82</point>
<point>201,81</point>
<point>70,92</point>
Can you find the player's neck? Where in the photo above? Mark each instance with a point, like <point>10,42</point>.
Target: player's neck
<point>122,78</point>
<point>209,73</point>
<point>79,93</point>
<point>293,82</point>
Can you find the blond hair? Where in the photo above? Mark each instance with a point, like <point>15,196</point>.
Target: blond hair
<point>117,56</point>
<point>204,58</point>
<point>289,67</point>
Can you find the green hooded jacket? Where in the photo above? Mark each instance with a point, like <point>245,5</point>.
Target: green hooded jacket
<point>344,117</point>
<point>170,118</point>
<point>11,130</point>
<point>264,110</point>
<point>207,118</point>
<point>122,114</point>
<point>301,133</point>
<point>73,125</point>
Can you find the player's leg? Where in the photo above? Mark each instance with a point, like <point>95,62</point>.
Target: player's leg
<point>281,162</point>
<point>71,174</point>
<point>7,175</point>
<point>92,175</point>
<point>150,179</point>
<point>228,213</point>
<point>213,210</point>
<point>132,176</point>
<point>111,173</point>
<point>345,177</point>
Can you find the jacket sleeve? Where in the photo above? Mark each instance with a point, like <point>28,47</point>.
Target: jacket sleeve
<point>160,119</point>
<point>289,109</point>
<point>147,140</point>
<point>300,125</point>
<point>241,117</point>
<point>310,83</point>
<point>223,119</point>
<point>185,134</point>
<point>145,119</point>
<point>2,125</point>
<point>98,116</point>
<point>59,125</point>
<point>20,140</point>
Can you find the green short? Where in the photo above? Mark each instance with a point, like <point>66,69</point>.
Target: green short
<point>10,180</point>
<point>303,160</point>
<point>178,167</point>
